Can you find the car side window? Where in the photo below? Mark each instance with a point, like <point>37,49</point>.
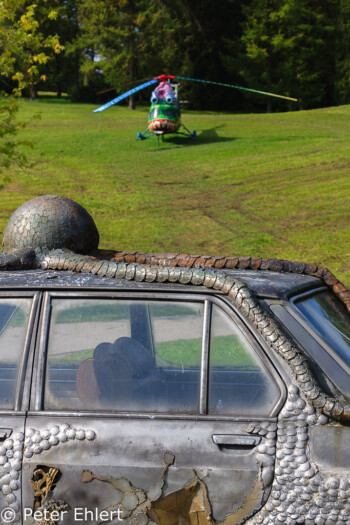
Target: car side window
<point>122,355</point>
<point>14,316</point>
<point>239,383</point>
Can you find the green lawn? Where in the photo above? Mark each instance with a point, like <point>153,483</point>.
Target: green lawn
<point>274,185</point>
<point>228,352</point>
<point>113,311</point>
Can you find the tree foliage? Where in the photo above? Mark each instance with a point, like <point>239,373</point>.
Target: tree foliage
<point>23,53</point>
<point>293,47</point>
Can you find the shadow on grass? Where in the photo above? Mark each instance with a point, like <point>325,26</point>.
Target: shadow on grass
<point>206,136</point>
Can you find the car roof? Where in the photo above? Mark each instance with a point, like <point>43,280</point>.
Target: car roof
<point>263,283</point>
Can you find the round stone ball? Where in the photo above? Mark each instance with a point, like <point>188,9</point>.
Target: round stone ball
<point>50,222</point>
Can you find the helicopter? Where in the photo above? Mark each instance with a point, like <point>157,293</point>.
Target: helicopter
<point>165,115</point>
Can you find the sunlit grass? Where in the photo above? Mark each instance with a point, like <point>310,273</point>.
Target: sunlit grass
<point>274,185</point>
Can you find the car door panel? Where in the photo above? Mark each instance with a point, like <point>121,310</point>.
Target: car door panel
<point>216,465</point>
<point>18,321</point>
<point>135,449</point>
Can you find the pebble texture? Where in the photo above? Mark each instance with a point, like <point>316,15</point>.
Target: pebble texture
<point>186,260</point>
<point>32,443</point>
<point>50,222</point>
<point>300,494</point>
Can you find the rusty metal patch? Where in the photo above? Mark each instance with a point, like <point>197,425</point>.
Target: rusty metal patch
<point>43,483</point>
<point>135,502</point>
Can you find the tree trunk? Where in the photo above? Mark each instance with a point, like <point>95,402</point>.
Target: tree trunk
<point>269,83</point>
<point>33,92</point>
<point>132,102</point>
<point>269,61</point>
<point>76,70</point>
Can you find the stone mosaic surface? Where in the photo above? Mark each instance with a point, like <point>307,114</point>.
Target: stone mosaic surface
<point>32,443</point>
<point>300,493</point>
<point>49,222</point>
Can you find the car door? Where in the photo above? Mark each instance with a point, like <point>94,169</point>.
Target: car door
<point>151,406</point>
<point>17,328</point>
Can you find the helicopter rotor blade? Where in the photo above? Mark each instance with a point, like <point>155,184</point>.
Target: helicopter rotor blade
<point>238,87</point>
<point>115,88</point>
<point>126,95</point>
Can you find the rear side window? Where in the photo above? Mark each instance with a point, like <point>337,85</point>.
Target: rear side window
<point>14,315</point>
<point>121,355</point>
<point>331,319</point>
<point>239,383</point>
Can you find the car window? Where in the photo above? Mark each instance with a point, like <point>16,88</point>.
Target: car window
<point>330,318</point>
<point>239,383</point>
<point>14,315</point>
<point>124,355</point>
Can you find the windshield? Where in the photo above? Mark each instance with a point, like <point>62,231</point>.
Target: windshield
<point>164,111</point>
<point>331,319</point>
<point>153,113</point>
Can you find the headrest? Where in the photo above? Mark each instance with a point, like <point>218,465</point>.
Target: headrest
<point>136,353</point>
<point>103,351</point>
<point>87,385</point>
<point>94,382</point>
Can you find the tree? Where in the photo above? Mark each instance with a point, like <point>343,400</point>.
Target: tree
<point>201,40</point>
<point>290,47</point>
<point>313,57</point>
<point>33,50</point>
<point>62,70</point>
<point>121,40</point>
<point>342,80</point>
<point>22,52</point>
<point>268,45</point>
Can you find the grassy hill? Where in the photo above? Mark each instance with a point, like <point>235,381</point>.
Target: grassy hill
<point>274,185</point>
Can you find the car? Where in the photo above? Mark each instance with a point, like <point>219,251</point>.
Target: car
<point>167,388</point>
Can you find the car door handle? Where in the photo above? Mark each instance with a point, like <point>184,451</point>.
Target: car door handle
<point>5,433</point>
<point>236,439</point>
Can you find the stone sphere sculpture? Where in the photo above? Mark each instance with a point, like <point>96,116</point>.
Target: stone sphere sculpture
<point>47,223</point>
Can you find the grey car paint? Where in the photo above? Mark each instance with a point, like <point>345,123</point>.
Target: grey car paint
<point>230,476</point>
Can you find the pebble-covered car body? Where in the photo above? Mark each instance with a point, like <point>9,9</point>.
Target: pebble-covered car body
<point>167,388</point>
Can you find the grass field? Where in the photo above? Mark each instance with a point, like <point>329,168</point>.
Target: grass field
<point>274,185</point>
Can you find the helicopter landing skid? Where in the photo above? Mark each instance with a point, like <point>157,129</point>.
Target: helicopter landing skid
<point>144,135</point>
<point>188,132</point>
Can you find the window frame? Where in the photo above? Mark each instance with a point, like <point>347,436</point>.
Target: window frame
<point>312,342</point>
<point>304,321</point>
<point>25,362</point>
<point>37,398</point>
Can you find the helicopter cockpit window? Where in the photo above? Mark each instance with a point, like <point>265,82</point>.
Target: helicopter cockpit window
<point>154,113</point>
<point>170,112</point>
